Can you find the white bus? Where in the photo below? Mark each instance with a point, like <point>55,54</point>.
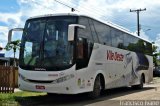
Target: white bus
<point>72,54</point>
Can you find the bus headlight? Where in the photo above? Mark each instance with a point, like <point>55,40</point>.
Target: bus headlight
<point>62,79</point>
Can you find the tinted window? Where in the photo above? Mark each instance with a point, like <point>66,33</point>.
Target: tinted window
<point>137,45</point>
<point>103,32</point>
<point>45,44</point>
<point>85,33</point>
<point>117,38</point>
<point>148,48</point>
<point>120,39</point>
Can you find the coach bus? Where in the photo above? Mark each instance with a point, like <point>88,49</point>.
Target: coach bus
<point>72,54</point>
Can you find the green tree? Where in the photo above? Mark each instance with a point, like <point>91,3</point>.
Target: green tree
<point>155,55</point>
<point>14,45</point>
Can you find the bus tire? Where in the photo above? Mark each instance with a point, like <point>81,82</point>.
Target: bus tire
<point>96,89</point>
<point>139,86</point>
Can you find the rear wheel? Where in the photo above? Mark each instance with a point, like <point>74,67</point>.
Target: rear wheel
<point>96,89</point>
<point>139,86</point>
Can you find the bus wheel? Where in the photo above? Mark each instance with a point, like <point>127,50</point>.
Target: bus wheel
<point>139,86</point>
<point>96,89</point>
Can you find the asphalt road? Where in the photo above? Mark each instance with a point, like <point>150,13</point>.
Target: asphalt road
<point>149,96</point>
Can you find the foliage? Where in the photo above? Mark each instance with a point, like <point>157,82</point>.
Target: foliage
<point>13,45</point>
<point>155,55</point>
<point>11,96</point>
<point>12,99</point>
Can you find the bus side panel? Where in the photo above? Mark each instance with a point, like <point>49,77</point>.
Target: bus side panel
<point>121,67</point>
<point>109,61</point>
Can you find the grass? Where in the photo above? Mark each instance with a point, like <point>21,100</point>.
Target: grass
<point>14,98</point>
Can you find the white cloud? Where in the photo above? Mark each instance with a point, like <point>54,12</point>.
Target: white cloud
<point>157,41</point>
<point>11,19</point>
<point>3,33</point>
<point>104,9</point>
<point>94,8</point>
<point>134,4</point>
<point>144,35</point>
<point>31,8</point>
<point>3,36</point>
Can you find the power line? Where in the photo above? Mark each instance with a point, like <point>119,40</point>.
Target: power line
<point>149,26</point>
<point>72,9</point>
<point>100,12</point>
<point>96,11</point>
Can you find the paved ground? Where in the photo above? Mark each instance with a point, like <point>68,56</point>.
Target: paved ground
<point>149,96</point>
<point>17,90</point>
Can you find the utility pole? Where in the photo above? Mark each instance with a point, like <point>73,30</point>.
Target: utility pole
<point>138,25</point>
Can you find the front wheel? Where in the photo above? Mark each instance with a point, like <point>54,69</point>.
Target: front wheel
<point>96,89</point>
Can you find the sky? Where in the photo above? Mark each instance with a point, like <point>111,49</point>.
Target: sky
<point>14,13</point>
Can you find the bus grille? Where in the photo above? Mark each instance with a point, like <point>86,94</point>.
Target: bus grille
<point>36,81</point>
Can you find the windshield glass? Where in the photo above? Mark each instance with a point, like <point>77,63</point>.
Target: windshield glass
<point>45,44</point>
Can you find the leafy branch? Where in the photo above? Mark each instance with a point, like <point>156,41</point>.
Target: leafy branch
<point>155,55</point>
<point>14,45</point>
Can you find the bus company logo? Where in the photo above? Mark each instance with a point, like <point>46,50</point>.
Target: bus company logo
<point>114,56</point>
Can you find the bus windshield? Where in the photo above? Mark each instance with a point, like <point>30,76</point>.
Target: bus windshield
<point>45,44</point>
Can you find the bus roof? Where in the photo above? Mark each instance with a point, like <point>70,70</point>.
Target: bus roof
<point>104,22</point>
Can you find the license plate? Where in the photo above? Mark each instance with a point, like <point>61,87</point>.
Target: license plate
<point>40,87</point>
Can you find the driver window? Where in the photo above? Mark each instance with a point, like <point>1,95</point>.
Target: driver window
<point>80,48</point>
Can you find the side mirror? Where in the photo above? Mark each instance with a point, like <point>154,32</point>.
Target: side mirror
<point>71,30</point>
<point>10,33</point>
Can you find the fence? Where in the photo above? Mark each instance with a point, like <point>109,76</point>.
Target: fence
<point>7,79</point>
